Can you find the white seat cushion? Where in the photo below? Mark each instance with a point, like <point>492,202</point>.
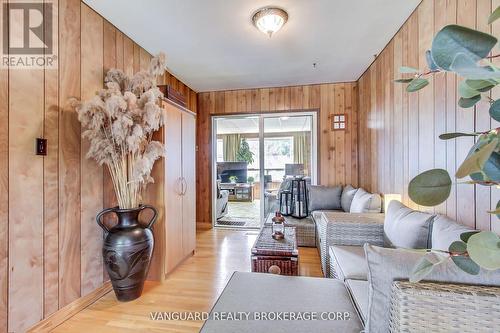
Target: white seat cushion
<point>349,262</point>
<point>366,202</point>
<point>406,228</point>
<point>359,294</point>
<point>445,231</point>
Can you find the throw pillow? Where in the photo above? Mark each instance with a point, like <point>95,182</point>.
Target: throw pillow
<point>346,199</point>
<point>365,202</point>
<point>405,227</point>
<point>324,197</point>
<point>445,231</point>
<point>388,265</point>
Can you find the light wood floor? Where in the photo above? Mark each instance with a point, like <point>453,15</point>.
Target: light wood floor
<point>194,286</point>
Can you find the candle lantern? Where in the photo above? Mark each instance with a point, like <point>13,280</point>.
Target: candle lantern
<point>286,202</point>
<point>300,205</point>
<point>278,226</point>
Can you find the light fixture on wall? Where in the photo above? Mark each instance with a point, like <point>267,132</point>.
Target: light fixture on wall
<point>269,19</point>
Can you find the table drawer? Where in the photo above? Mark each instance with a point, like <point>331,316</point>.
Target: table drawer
<point>282,265</point>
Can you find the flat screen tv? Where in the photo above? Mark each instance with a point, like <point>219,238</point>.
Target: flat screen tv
<point>225,170</point>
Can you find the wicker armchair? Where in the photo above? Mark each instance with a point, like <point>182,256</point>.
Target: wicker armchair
<point>442,307</point>
<point>338,228</point>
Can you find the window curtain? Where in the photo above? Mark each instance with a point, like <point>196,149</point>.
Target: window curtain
<point>231,146</point>
<point>302,150</point>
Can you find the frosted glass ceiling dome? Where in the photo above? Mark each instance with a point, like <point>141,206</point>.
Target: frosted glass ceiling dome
<point>269,19</point>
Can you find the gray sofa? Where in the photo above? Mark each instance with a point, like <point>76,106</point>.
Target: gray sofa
<point>343,207</point>
<point>371,285</point>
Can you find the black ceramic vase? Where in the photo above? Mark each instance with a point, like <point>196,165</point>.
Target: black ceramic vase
<point>127,250</point>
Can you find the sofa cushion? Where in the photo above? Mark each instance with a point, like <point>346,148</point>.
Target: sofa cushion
<point>359,294</point>
<point>317,213</point>
<point>405,227</point>
<point>365,202</point>
<point>324,197</point>
<point>268,293</point>
<point>349,262</point>
<point>387,265</point>
<point>346,198</point>
<point>445,231</point>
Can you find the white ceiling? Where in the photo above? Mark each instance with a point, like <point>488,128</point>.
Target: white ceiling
<point>250,124</point>
<point>212,44</point>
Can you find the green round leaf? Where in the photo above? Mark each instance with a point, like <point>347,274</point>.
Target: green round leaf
<point>491,169</point>
<point>448,136</point>
<point>403,80</point>
<point>495,110</point>
<point>416,84</point>
<point>453,40</point>
<point>476,161</point>
<point>497,210</point>
<point>484,249</point>
<point>406,69</point>
<point>481,85</point>
<point>468,102</point>
<point>494,16</point>
<point>467,92</point>
<point>458,247</point>
<point>466,235</point>
<point>430,188</point>
<point>466,264</point>
<point>421,270</point>
<point>430,62</point>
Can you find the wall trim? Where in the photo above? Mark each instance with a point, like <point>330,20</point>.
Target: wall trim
<point>65,313</point>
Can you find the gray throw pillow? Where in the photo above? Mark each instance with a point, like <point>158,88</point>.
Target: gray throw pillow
<point>445,231</point>
<point>365,202</point>
<point>346,199</point>
<point>388,265</point>
<point>324,197</point>
<point>405,227</point>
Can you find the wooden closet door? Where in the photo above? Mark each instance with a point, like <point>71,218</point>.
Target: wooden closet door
<point>189,174</point>
<point>173,196</point>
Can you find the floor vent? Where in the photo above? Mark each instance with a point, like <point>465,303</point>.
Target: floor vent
<point>235,223</point>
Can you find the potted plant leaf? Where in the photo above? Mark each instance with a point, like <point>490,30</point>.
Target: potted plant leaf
<point>467,53</point>
<point>119,122</point>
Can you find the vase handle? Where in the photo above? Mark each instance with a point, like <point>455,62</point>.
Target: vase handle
<point>99,216</point>
<point>155,215</point>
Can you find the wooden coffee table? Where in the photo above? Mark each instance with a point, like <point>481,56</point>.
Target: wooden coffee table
<point>276,256</point>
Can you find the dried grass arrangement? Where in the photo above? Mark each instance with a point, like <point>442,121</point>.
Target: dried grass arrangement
<point>119,122</point>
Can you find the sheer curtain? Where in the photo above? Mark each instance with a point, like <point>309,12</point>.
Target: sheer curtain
<point>302,150</point>
<point>231,146</point>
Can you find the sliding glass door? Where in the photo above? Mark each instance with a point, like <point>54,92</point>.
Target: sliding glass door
<point>255,156</point>
<point>288,153</point>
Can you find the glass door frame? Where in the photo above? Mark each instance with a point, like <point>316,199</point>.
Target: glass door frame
<point>262,117</point>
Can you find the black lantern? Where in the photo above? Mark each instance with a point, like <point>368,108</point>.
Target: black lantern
<point>286,202</point>
<point>300,206</point>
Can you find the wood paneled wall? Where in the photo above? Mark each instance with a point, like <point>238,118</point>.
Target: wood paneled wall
<point>398,131</point>
<point>337,150</point>
<point>50,245</point>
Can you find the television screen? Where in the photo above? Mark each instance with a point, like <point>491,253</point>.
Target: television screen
<point>226,170</point>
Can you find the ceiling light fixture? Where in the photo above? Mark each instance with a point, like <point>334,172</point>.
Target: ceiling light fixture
<point>269,19</point>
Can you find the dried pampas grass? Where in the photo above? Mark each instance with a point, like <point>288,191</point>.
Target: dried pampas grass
<point>119,123</point>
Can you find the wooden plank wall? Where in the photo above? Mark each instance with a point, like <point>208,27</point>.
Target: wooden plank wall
<point>398,132</point>
<point>49,242</point>
<point>337,150</point>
